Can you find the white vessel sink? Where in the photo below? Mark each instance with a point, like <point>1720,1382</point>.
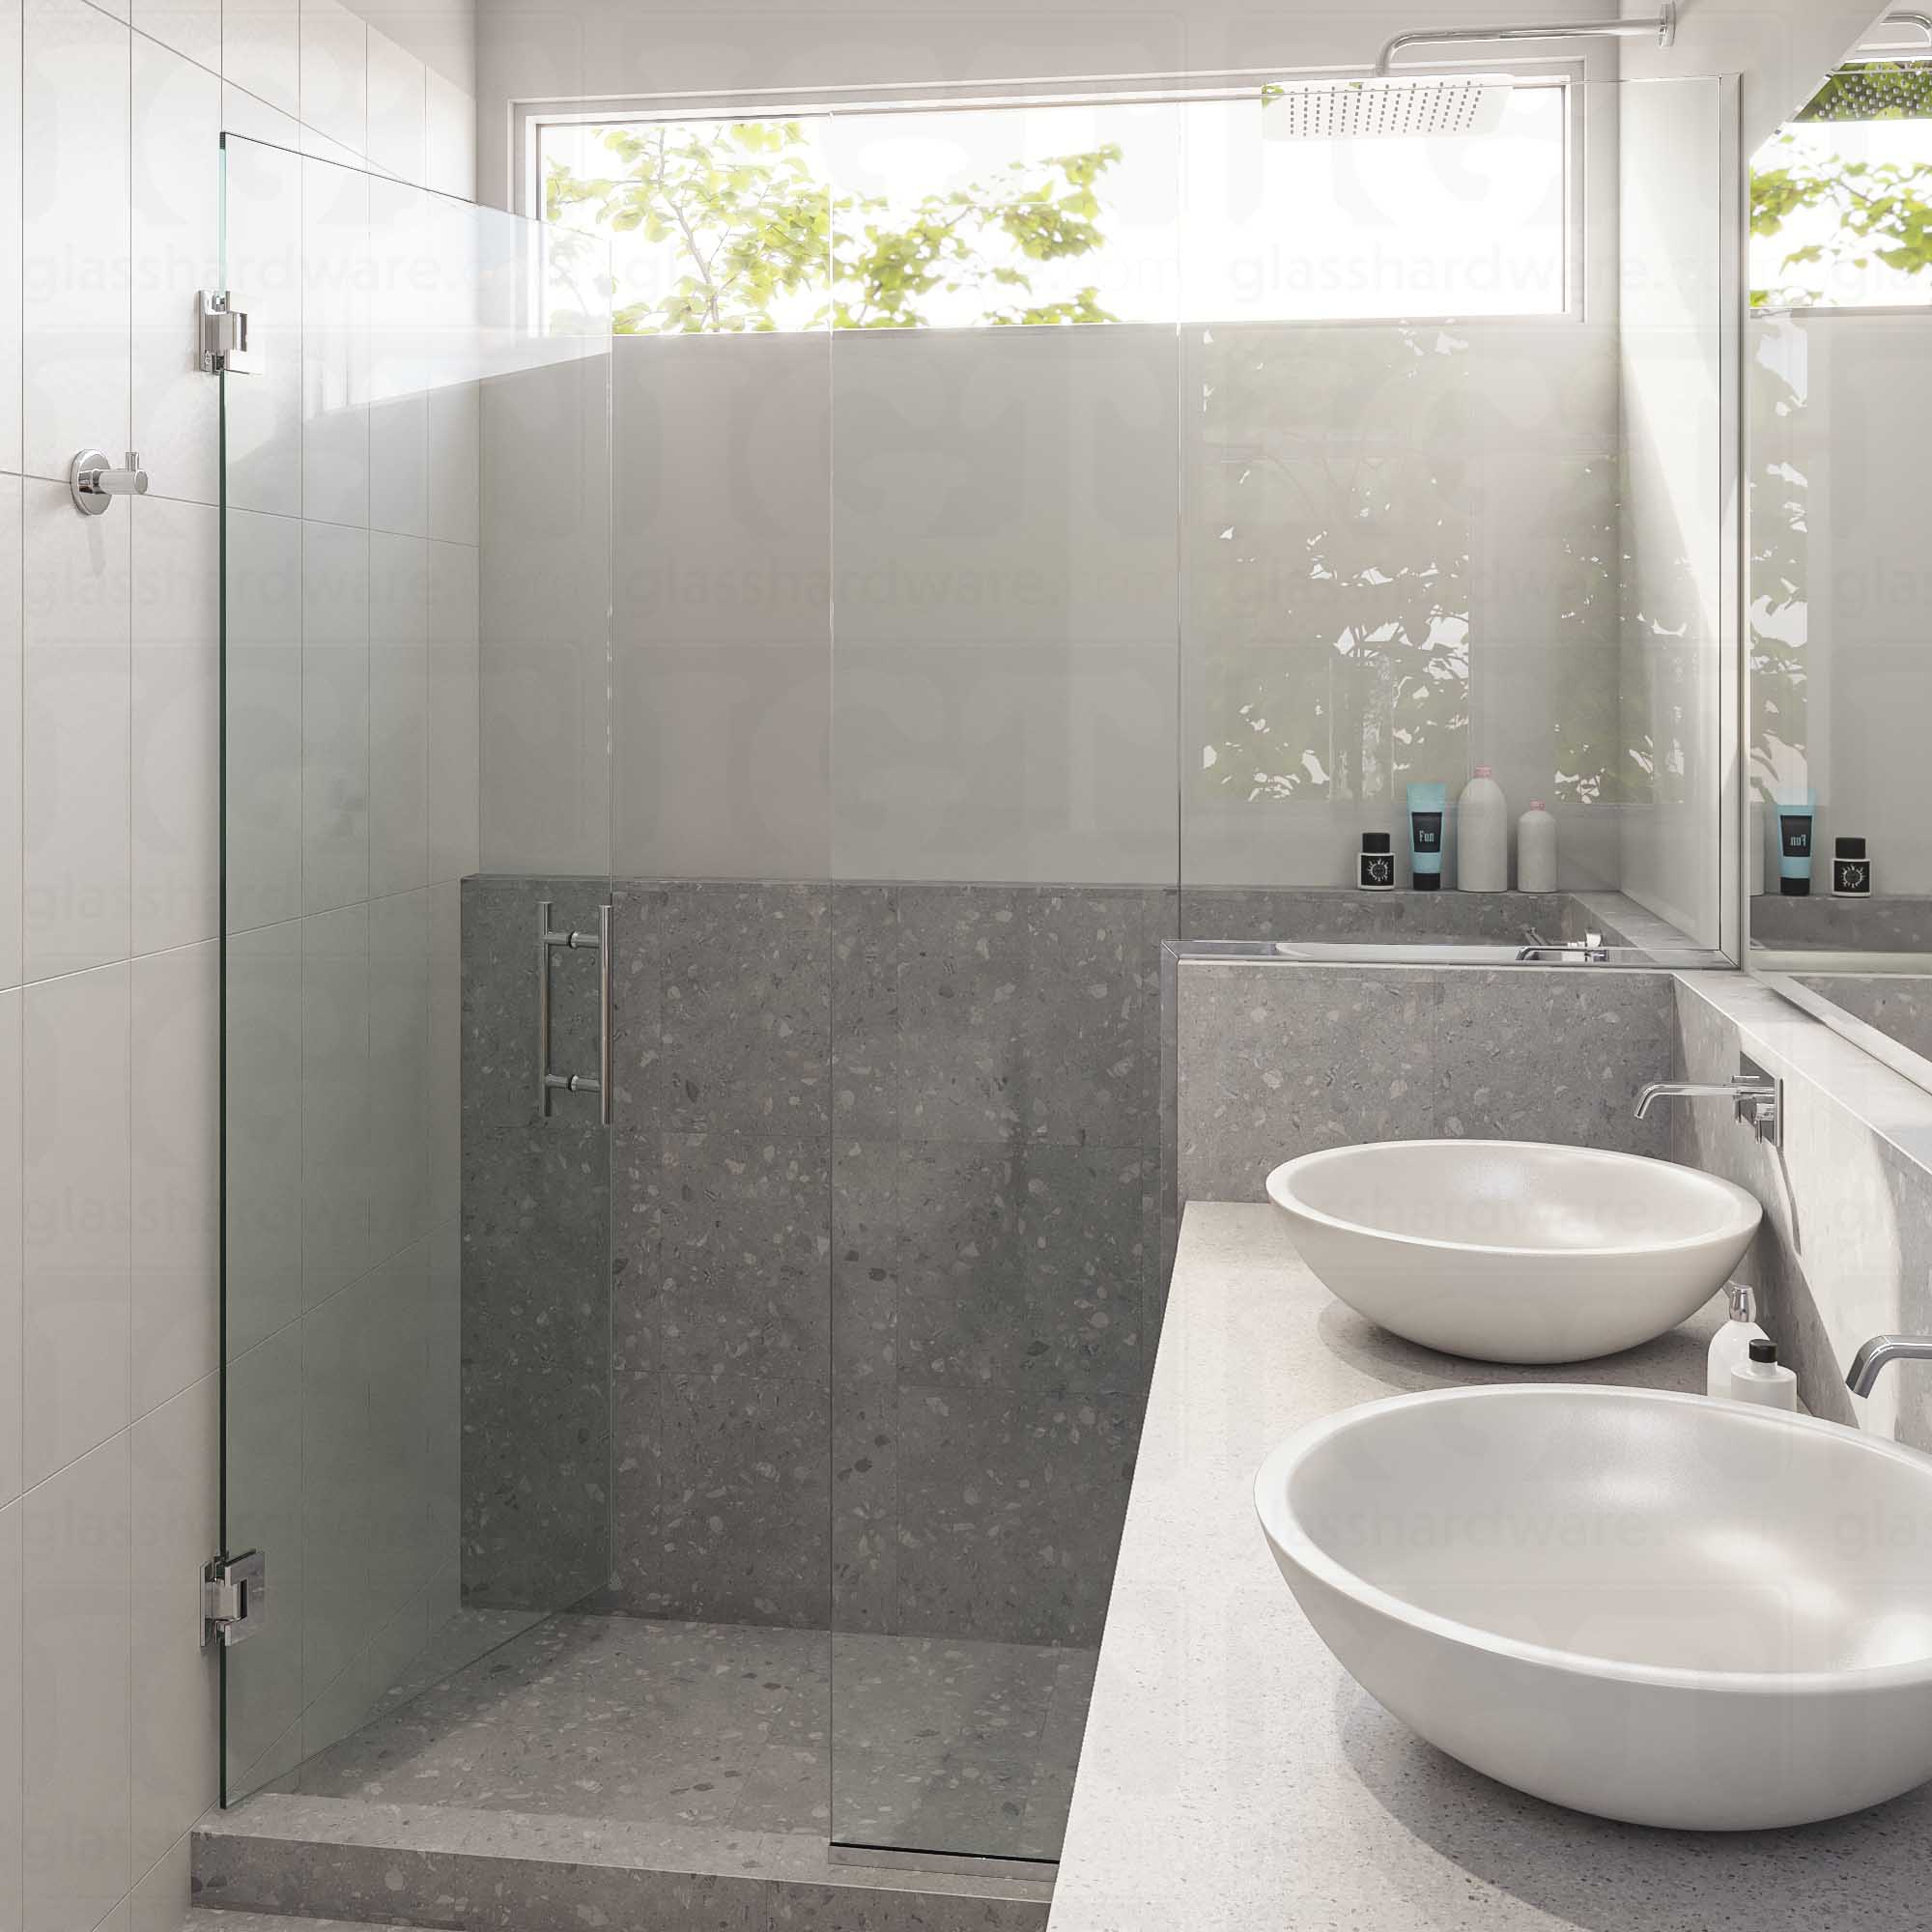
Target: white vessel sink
<point>1513,1251</point>
<point>1657,1607</point>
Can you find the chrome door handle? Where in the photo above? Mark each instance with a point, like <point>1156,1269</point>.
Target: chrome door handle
<point>550,941</point>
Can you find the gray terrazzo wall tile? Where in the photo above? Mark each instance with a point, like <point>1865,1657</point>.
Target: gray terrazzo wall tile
<point>1276,1058</point>
<point>885,1224</point>
<point>1885,922</point>
<point>1897,1005</point>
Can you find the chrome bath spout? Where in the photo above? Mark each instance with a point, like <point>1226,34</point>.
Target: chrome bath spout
<point>1880,1353</point>
<point>1680,1089</point>
<point>1753,1094</point>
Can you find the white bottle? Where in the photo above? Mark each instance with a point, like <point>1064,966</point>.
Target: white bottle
<point>1765,1380</point>
<point>1730,1345</point>
<point>1482,835</point>
<point>1536,850</point>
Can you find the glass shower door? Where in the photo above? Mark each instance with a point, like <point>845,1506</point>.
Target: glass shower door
<point>417,1026</point>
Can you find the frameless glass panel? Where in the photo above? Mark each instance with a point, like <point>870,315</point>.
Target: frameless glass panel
<point>1414,548</point>
<point>415,706</point>
<point>1004,842</point>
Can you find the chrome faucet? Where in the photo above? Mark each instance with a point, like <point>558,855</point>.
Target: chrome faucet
<point>1881,1351</point>
<point>1590,949</point>
<point>1753,1094</point>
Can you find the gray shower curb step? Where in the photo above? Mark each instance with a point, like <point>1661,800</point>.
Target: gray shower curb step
<point>518,1871</point>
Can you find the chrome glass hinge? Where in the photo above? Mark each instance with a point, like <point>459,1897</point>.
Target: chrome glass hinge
<point>233,1594</point>
<point>224,335</point>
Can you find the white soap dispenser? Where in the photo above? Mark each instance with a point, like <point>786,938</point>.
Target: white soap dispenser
<point>1764,1380</point>
<point>1536,850</point>
<point>1482,835</point>
<point>1730,1345</point>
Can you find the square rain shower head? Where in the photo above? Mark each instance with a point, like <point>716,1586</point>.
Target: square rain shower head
<point>1329,110</point>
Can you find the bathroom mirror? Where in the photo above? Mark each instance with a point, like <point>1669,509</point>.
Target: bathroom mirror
<point>1838,406</point>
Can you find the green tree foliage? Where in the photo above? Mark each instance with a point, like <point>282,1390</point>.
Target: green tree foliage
<point>1881,209</point>
<point>749,223</point>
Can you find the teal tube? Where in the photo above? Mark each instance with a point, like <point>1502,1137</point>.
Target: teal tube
<point>1428,807</point>
<point>1794,845</point>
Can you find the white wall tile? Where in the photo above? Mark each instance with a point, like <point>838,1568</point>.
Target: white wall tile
<point>76,1729</point>
<point>9,234</point>
<point>264,720</point>
<point>452,138</point>
<point>13,1387</point>
<point>75,243</point>
<point>335,73</point>
<point>12,1581</point>
<point>76,1254</point>
<point>445,1052</point>
<point>177,253</point>
<point>174,1145</point>
<point>545,636</point>
<point>164,1895</point>
<point>455,460</point>
<point>398,1127</point>
<point>263,242</point>
<point>398,108</point>
<point>339,1476</point>
<point>243,113</point>
<point>176,723</point>
<point>398,690</point>
<point>12,746</point>
<point>335,715</point>
<point>261,49</point>
<point>177,1685</point>
<point>265,1484</point>
<point>263,1032</point>
<point>336,302</point>
<point>334,1100</point>
<point>192,28</point>
<point>402,245</point>
<point>454,695</point>
<point>78,692</point>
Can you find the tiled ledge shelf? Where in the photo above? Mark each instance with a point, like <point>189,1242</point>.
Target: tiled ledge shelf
<point>512,1871</point>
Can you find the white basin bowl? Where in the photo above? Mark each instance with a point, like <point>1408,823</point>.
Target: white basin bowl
<point>1656,1607</point>
<point>1513,1251</point>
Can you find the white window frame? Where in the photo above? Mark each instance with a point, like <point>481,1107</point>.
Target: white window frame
<point>1587,285</point>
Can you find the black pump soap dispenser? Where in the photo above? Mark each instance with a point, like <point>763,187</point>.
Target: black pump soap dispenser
<point>1374,863</point>
<point>1851,870</point>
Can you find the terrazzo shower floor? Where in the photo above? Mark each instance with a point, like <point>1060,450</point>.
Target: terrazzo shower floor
<point>939,1745</point>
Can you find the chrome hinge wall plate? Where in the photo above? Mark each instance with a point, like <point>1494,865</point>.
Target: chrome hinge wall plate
<point>234,1596</point>
<point>224,335</point>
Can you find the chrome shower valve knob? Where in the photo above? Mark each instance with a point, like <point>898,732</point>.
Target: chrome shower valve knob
<point>96,484</point>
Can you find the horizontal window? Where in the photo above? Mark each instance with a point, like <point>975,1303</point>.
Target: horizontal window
<point>1164,210</point>
<point>1841,197</point>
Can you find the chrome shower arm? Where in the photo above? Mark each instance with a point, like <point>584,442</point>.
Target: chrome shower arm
<point>1663,25</point>
<point>1907,18</point>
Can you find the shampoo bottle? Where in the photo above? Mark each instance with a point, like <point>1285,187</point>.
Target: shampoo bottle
<point>1536,850</point>
<point>1765,1380</point>
<point>1482,835</point>
<point>1730,1345</point>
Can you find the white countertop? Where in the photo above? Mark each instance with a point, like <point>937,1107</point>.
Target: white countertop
<point>1234,1777</point>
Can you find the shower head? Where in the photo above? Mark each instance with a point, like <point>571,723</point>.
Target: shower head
<point>1332,110</point>
<point>1463,103</point>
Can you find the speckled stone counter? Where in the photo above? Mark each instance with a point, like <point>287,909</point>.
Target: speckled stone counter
<point>1235,1779</point>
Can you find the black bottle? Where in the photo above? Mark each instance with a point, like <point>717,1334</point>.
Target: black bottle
<point>1374,863</point>
<point>1851,870</point>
